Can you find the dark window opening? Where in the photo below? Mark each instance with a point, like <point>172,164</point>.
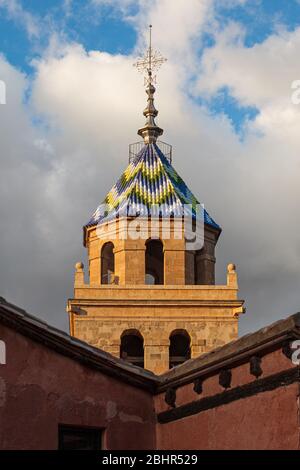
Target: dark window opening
<point>132,348</point>
<point>75,438</point>
<point>180,348</point>
<point>107,263</point>
<point>154,262</point>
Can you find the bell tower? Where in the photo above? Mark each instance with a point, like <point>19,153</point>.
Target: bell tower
<point>150,296</point>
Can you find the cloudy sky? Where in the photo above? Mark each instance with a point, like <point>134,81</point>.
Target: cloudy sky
<point>74,103</point>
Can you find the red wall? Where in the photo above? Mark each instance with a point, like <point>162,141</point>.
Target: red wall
<point>40,389</point>
<point>267,420</point>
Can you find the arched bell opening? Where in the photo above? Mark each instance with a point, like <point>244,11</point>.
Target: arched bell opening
<point>180,348</point>
<point>132,347</point>
<point>107,263</point>
<point>154,262</point>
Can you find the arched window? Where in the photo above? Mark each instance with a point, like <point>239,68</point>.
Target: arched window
<point>154,262</point>
<point>107,263</point>
<point>180,348</point>
<point>132,347</point>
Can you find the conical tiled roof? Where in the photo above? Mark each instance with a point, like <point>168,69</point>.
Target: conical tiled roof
<point>148,180</point>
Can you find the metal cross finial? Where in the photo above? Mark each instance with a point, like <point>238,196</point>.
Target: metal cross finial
<point>151,61</point>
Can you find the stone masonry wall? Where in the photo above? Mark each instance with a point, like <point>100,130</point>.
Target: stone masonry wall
<point>106,334</point>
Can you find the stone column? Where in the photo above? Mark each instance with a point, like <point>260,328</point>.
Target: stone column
<point>156,356</point>
<point>130,262</point>
<point>205,267</point>
<point>120,267</point>
<point>189,268</point>
<point>135,265</point>
<point>174,270</point>
<point>94,249</point>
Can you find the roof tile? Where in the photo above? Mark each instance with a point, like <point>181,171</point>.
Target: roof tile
<point>148,180</point>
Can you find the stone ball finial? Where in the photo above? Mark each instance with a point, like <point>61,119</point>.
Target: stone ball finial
<point>79,266</point>
<point>231,268</point>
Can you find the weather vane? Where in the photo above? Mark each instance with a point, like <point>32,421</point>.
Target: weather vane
<point>151,62</point>
<point>147,64</point>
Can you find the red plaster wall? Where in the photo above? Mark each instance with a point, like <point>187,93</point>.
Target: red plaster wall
<point>40,389</point>
<point>271,363</point>
<point>268,420</point>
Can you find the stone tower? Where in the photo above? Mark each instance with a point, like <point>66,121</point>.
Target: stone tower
<point>151,296</point>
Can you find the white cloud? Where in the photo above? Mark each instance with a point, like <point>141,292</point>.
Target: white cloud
<point>67,6</point>
<point>93,105</point>
<point>259,76</point>
<point>17,13</point>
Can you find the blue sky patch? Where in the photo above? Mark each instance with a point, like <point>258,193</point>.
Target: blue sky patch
<point>224,103</point>
<point>106,28</point>
<point>261,18</point>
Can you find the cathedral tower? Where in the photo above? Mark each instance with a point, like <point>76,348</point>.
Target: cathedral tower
<point>151,296</point>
